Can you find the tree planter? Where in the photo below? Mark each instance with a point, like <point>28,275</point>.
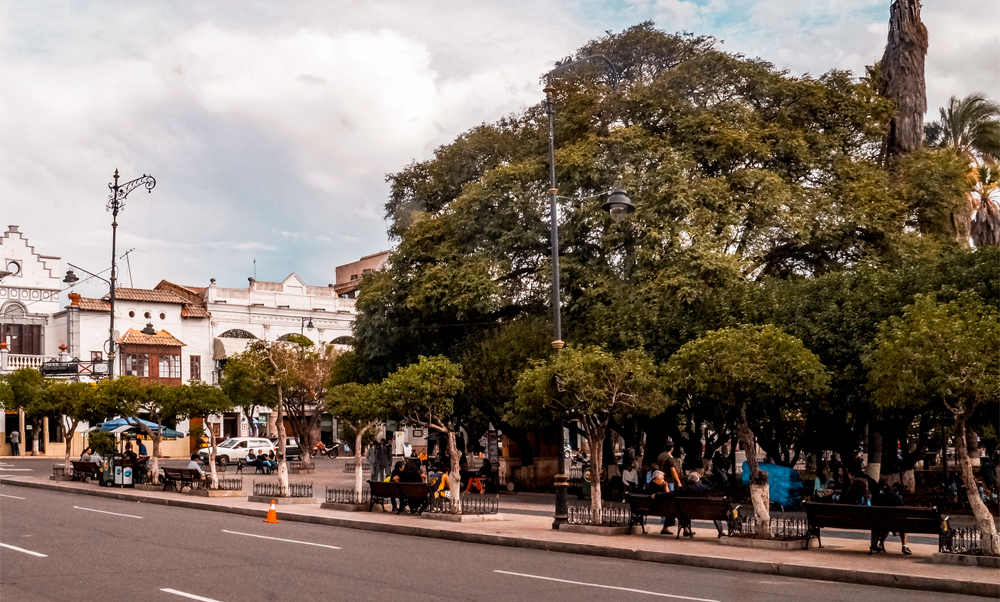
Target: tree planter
<point>966,560</point>
<point>768,544</point>
<point>266,499</point>
<point>463,518</point>
<point>216,493</point>
<point>344,507</point>
<point>300,468</point>
<point>595,529</point>
<point>148,487</point>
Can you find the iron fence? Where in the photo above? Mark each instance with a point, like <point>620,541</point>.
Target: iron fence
<point>472,503</point>
<point>274,489</point>
<point>575,474</point>
<point>612,515</point>
<point>347,496</point>
<point>781,529</point>
<point>349,466</point>
<point>233,484</point>
<point>966,541</point>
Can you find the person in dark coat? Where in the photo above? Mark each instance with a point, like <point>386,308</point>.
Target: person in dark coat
<point>888,496</point>
<point>693,488</point>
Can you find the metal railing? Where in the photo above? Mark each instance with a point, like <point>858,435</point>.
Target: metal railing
<point>781,529</point>
<point>349,466</point>
<point>347,496</point>
<point>966,541</point>
<point>274,489</point>
<point>612,515</point>
<point>472,503</point>
<point>232,484</point>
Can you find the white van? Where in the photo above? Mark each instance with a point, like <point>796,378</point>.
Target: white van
<point>237,448</point>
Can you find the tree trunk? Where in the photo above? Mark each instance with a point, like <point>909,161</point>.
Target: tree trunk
<point>68,436</point>
<point>903,76</point>
<point>272,423</point>
<point>211,454</point>
<point>759,488</point>
<point>155,467</point>
<point>596,439</point>
<point>874,467</point>
<point>984,520</point>
<point>455,475</point>
<point>358,473</point>
<point>282,466</point>
<point>35,432</point>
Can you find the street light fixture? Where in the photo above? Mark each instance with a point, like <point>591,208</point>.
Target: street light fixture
<point>308,326</point>
<point>618,206</point>
<point>116,202</point>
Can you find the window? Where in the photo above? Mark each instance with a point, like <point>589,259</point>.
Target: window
<point>170,366</point>
<point>366,271</point>
<point>163,316</point>
<point>55,430</point>
<point>195,367</point>
<point>135,364</point>
<point>148,315</point>
<point>237,333</point>
<point>131,313</point>
<point>97,356</point>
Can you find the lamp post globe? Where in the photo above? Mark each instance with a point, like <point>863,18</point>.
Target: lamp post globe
<point>618,205</point>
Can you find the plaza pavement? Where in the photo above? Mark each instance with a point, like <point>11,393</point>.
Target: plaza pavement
<point>527,524</point>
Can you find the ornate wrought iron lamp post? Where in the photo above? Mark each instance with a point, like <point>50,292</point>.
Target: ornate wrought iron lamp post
<point>619,206</point>
<point>116,202</point>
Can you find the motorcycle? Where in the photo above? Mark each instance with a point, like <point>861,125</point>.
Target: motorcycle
<point>331,452</point>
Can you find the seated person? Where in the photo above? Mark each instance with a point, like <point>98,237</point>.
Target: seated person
<point>436,480</point>
<point>142,448</point>
<point>397,470</point>
<point>252,459</point>
<point>86,455</point>
<point>193,465</point>
<point>693,488</point>
<point>267,462</point>
<point>129,455</point>
<point>97,459</point>
<point>822,486</point>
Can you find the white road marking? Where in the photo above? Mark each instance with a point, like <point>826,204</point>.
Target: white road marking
<point>13,496</point>
<point>307,543</point>
<point>621,589</point>
<point>186,595</point>
<point>4,545</point>
<point>16,469</point>
<point>106,512</point>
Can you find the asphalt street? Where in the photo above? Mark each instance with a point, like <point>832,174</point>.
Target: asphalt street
<point>59,546</point>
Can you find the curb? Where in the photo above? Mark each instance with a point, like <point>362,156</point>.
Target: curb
<point>913,582</point>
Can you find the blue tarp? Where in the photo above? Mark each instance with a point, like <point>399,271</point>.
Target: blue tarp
<point>784,484</point>
<point>118,423</point>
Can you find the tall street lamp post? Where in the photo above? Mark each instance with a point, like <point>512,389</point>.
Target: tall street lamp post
<point>116,202</point>
<point>618,206</point>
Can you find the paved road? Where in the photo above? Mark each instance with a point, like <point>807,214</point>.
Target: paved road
<point>106,550</point>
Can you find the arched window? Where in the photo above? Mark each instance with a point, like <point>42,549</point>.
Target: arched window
<point>13,309</point>
<point>344,340</point>
<point>237,333</point>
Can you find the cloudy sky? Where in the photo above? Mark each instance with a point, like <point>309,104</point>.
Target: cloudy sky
<point>270,126</point>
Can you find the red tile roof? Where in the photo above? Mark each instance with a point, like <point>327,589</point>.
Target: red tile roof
<point>193,311</point>
<point>145,294</point>
<point>94,304</point>
<point>162,337</point>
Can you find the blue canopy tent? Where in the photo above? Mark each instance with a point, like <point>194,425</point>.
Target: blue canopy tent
<point>784,484</point>
<point>120,425</point>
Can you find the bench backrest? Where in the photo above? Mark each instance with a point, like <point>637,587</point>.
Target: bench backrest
<point>887,518</point>
<point>381,488</point>
<point>84,466</point>
<point>413,490</point>
<point>180,472</point>
<point>703,508</point>
<point>647,505</point>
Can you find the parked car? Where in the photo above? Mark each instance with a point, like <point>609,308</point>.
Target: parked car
<point>236,448</point>
<point>292,449</point>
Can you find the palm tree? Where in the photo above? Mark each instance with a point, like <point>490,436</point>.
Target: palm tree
<point>903,83</point>
<point>971,127</point>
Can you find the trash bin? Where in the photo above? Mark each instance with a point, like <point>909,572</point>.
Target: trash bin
<point>122,473</point>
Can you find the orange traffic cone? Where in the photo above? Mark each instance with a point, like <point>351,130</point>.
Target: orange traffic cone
<point>272,515</point>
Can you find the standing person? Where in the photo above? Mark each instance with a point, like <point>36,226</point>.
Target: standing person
<point>15,442</point>
<point>888,496</point>
<point>374,458</point>
<point>670,467</point>
<point>385,458</point>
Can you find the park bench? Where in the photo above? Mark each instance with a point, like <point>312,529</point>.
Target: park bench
<point>242,463</point>
<point>180,478</point>
<point>416,495</point>
<point>716,510</point>
<point>85,470</point>
<point>876,519</point>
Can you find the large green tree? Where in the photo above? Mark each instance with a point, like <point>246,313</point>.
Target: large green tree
<point>136,401</point>
<point>199,400</point>
<point>592,386</point>
<point>757,374</point>
<point>944,357</point>
<point>74,404</point>
<point>26,386</point>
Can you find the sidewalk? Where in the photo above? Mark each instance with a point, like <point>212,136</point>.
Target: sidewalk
<point>841,560</point>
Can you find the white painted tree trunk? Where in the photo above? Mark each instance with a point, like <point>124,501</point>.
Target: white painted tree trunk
<point>282,466</point>
<point>155,461</point>
<point>984,520</point>
<point>211,454</point>
<point>70,429</point>
<point>358,472</point>
<point>760,494</point>
<point>455,475</point>
<point>596,440</point>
